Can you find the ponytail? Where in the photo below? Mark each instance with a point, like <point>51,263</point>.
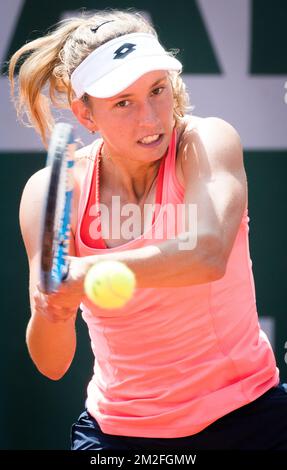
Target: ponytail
<point>37,71</point>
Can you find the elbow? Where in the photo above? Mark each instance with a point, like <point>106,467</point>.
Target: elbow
<point>216,271</point>
<point>214,259</point>
<point>52,374</point>
<point>52,371</point>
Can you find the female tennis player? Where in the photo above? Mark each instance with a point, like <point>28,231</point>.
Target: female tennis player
<point>184,363</point>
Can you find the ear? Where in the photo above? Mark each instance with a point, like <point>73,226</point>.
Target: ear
<point>83,114</point>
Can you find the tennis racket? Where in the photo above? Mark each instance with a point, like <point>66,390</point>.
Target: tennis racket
<point>55,234</point>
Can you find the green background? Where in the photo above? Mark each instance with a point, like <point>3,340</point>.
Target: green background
<point>36,413</point>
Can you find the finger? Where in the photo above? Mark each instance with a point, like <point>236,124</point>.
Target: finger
<point>39,301</point>
<point>39,288</point>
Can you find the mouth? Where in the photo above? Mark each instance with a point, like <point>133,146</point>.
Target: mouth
<point>151,140</point>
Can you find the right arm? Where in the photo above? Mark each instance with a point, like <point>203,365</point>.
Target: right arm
<point>51,335</point>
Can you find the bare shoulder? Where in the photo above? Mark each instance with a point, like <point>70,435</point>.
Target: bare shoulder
<point>31,206</point>
<point>35,188</point>
<point>87,153</point>
<point>210,130</point>
<point>84,156</point>
<point>35,191</point>
<point>211,142</point>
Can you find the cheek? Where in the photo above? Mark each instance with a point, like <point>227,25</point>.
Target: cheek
<point>167,103</point>
<point>115,131</point>
<point>109,125</point>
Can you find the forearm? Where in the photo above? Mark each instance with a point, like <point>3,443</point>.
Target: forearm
<point>165,265</point>
<point>51,345</point>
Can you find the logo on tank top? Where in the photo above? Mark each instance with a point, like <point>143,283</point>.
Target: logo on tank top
<point>124,50</point>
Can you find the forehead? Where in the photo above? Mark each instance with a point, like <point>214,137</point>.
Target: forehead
<point>145,82</point>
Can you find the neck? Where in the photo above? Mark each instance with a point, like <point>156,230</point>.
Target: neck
<point>132,179</point>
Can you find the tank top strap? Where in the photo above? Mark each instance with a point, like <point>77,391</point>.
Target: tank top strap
<point>87,204</point>
<point>172,188</point>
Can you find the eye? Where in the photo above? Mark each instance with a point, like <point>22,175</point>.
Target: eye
<point>158,90</point>
<point>122,104</point>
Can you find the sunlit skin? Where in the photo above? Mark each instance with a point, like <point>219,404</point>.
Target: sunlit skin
<point>144,109</point>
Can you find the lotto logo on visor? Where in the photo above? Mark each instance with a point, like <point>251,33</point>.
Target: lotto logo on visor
<point>124,50</point>
<point>102,75</point>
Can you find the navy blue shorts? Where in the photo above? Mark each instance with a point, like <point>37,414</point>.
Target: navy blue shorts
<point>260,425</point>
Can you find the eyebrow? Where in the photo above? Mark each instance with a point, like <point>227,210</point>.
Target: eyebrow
<point>128,95</point>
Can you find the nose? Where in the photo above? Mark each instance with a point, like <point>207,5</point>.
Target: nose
<point>147,115</point>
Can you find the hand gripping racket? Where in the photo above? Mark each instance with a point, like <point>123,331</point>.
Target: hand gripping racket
<point>55,234</point>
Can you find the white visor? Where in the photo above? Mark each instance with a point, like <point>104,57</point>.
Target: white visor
<point>118,63</point>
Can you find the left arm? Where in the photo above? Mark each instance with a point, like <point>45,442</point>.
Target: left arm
<point>215,181</point>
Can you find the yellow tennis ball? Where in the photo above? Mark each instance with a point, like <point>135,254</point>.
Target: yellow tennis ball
<point>109,284</point>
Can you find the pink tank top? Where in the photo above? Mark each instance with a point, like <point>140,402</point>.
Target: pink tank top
<point>174,360</point>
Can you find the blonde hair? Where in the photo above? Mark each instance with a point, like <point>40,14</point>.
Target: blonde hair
<point>47,63</point>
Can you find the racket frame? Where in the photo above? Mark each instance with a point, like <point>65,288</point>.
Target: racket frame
<point>56,226</point>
